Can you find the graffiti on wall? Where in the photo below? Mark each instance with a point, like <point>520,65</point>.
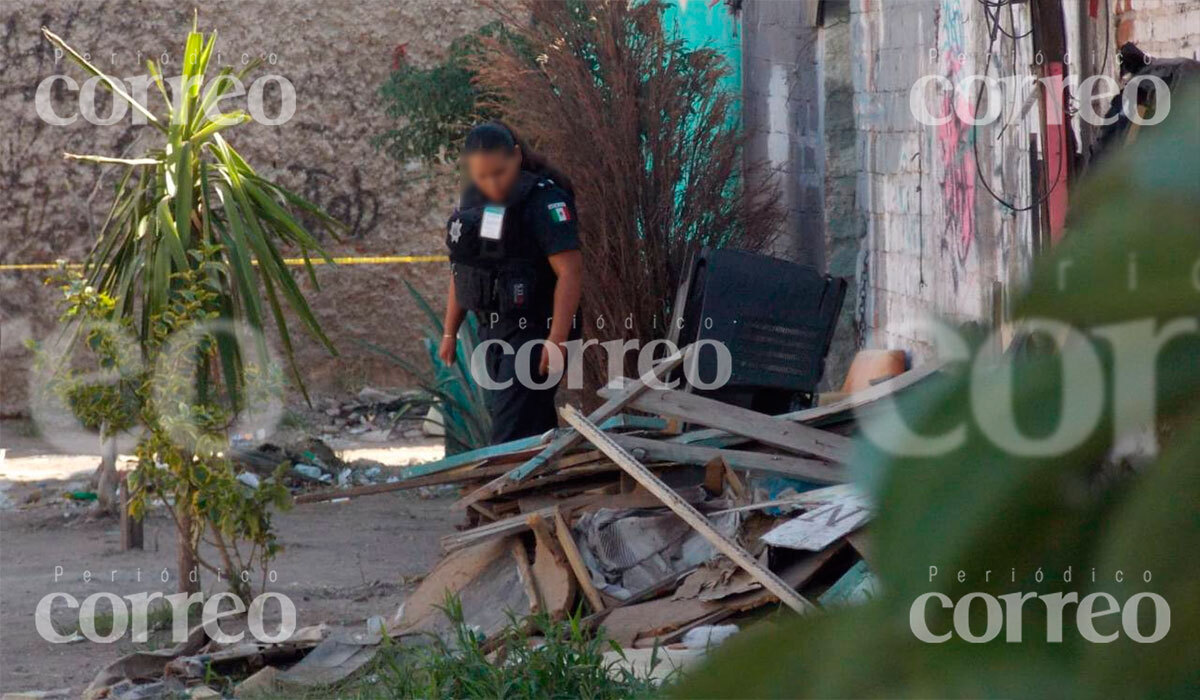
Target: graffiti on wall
<point>350,203</point>
<point>955,138</point>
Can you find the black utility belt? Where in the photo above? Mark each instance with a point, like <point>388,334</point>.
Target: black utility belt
<point>511,288</point>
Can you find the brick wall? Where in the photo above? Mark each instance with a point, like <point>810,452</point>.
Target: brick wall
<point>1163,28</point>
<point>901,212</point>
<point>936,243</point>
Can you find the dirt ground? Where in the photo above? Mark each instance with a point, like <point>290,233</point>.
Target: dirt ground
<point>342,562</point>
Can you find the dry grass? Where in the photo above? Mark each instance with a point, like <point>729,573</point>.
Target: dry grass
<point>651,142</point>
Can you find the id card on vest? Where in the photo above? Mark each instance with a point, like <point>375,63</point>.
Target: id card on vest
<point>493,221</point>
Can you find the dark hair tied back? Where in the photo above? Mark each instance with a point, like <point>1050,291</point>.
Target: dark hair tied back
<point>495,135</point>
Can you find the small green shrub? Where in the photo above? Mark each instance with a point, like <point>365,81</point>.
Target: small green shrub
<point>533,657</point>
<point>433,107</point>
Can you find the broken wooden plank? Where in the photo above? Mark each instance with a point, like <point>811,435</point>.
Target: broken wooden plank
<point>486,578</point>
<point>821,415</point>
<point>512,447</point>
<point>812,470</point>
<point>842,510</point>
<point>521,558</point>
<point>544,537</point>
<point>447,477</point>
<point>769,430</point>
<point>551,570</point>
<point>569,439</point>
<point>501,528</point>
<point>690,515</point>
<point>575,559</point>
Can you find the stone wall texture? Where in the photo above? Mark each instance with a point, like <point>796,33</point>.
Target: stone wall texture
<point>336,55</point>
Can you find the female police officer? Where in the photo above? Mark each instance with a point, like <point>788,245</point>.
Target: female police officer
<point>515,262</point>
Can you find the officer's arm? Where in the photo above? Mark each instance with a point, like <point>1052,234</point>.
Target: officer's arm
<point>454,313</point>
<point>568,267</point>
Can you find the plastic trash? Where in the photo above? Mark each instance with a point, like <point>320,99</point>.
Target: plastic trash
<point>708,636</point>
<point>312,473</point>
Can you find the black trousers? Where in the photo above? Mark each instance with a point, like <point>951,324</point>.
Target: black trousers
<point>517,410</point>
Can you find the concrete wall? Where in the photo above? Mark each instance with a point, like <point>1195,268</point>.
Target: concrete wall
<point>898,206</point>
<point>1163,28</point>
<point>783,121</point>
<point>937,242</point>
<point>336,54</point>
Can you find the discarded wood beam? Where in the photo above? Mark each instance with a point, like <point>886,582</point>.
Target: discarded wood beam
<point>821,415</point>
<point>466,473</point>
<point>786,594</point>
<point>545,538</point>
<point>501,528</point>
<point>569,439</point>
<point>769,430</point>
<point>521,558</point>
<point>584,576</point>
<point>812,470</point>
<point>515,446</point>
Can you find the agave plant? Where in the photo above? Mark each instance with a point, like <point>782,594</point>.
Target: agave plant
<point>458,397</point>
<point>193,203</point>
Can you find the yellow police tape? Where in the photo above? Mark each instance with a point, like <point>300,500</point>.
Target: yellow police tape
<point>377,260</point>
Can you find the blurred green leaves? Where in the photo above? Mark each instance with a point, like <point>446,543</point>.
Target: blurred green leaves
<point>1009,523</point>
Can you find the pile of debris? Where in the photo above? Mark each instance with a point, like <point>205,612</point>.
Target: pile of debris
<point>375,415</point>
<point>308,463</point>
<point>669,540</point>
<point>665,536</point>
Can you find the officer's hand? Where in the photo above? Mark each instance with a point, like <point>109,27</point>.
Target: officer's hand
<point>448,349</point>
<point>552,361</point>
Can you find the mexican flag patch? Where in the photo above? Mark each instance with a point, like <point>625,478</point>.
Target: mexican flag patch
<point>559,213</point>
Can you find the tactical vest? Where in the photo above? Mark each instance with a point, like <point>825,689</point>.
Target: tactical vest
<point>497,268</point>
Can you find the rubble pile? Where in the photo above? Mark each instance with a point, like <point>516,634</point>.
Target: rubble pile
<point>376,415</point>
<point>667,520</point>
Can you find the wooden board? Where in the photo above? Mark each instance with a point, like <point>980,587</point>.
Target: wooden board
<point>821,415</point>
<point>812,470</point>
<point>685,511</point>
<point>452,476</point>
<point>663,616</point>
<point>487,581</point>
<point>575,559</point>
<point>769,430</point>
<point>551,572</point>
<point>842,510</point>
<point>569,439</point>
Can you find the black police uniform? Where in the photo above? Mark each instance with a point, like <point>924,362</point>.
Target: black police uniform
<point>507,280</point>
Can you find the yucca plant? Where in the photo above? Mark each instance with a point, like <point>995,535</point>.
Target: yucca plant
<point>193,240</point>
<point>194,192</point>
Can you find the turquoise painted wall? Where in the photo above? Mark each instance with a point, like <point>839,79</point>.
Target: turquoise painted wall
<point>703,25</point>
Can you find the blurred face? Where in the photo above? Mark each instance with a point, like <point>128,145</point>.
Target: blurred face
<point>494,173</point>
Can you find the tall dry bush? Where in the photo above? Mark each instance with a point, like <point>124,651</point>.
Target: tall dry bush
<point>650,140</point>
